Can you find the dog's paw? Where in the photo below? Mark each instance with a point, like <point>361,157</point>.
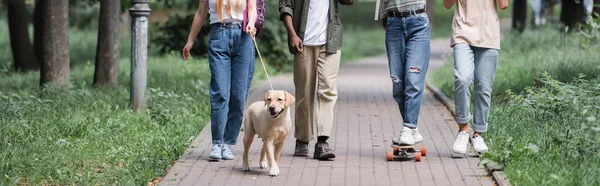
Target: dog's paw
<point>247,169</point>
<point>274,172</point>
<point>263,165</point>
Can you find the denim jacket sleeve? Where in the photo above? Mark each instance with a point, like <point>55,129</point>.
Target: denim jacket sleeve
<point>286,7</point>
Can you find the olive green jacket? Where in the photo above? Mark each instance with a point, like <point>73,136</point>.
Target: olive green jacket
<point>298,9</point>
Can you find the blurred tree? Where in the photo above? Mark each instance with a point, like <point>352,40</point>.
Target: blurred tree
<point>107,51</point>
<point>38,29</point>
<point>22,51</point>
<point>519,16</point>
<point>55,66</point>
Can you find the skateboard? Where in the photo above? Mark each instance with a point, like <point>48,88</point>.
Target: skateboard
<point>406,152</point>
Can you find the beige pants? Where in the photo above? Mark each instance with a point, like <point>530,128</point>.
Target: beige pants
<point>315,67</point>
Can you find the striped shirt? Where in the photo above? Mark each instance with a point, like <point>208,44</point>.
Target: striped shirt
<point>385,6</point>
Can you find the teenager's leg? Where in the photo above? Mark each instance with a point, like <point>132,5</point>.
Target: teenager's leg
<point>463,76</point>
<point>220,70</point>
<point>328,66</point>
<point>417,62</point>
<point>305,74</point>
<point>241,64</point>
<point>395,44</point>
<point>486,61</point>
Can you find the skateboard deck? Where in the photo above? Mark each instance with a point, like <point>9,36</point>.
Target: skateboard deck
<point>406,152</point>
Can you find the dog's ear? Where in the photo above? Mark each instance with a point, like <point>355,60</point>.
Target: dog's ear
<point>267,96</point>
<point>289,99</point>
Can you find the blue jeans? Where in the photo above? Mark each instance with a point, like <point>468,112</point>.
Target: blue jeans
<point>479,64</point>
<point>231,58</point>
<point>407,44</point>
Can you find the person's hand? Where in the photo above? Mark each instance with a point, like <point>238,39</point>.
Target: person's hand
<point>250,29</point>
<point>295,44</point>
<point>186,50</point>
<point>384,23</point>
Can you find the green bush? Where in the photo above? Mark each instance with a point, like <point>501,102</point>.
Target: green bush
<point>549,135</point>
<point>272,41</point>
<point>172,35</point>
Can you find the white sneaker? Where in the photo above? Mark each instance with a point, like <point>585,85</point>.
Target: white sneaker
<point>479,145</point>
<point>226,152</point>
<point>406,137</point>
<point>215,152</point>
<point>417,136</point>
<point>461,142</point>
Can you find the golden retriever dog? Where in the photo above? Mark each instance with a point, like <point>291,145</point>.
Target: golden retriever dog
<point>271,120</point>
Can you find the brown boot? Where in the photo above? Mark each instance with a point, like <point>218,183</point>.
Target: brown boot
<point>301,148</point>
<point>323,152</point>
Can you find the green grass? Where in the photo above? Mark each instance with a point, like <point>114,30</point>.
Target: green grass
<point>549,135</point>
<point>89,135</point>
<point>360,43</point>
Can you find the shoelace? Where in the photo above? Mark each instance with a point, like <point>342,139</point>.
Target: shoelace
<point>227,149</point>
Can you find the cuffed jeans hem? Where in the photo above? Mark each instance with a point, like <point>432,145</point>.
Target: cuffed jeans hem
<point>410,125</point>
<point>479,128</point>
<point>229,143</point>
<point>462,120</point>
<point>217,142</point>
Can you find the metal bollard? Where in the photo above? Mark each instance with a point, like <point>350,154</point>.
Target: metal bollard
<point>139,12</point>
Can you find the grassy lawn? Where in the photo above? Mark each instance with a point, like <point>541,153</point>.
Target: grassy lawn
<point>549,135</point>
<point>89,135</point>
<point>543,125</point>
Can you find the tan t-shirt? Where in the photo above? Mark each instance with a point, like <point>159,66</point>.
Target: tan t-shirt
<point>476,23</point>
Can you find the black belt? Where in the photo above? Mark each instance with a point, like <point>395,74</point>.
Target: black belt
<point>405,14</point>
<point>228,24</point>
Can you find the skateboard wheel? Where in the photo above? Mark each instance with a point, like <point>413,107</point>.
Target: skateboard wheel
<point>396,151</point>
<point>423,151</point>
<point>418,156</point>
<point>390,156</point>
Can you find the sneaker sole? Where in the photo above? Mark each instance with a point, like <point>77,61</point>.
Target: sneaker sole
<point>215,157</point>
<point>461,153</point>
<point>325,156</point>
<point>301,154</point>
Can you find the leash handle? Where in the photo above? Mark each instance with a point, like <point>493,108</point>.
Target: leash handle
<point>262,62</point>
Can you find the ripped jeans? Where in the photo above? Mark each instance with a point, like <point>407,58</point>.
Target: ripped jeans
<point>407,44</point>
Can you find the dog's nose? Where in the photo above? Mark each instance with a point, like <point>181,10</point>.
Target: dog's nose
<point>272,109</point>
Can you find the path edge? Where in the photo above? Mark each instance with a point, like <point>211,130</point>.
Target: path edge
<point>492,168</point>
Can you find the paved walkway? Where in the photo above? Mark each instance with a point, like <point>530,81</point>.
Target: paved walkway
<point>366,119</point>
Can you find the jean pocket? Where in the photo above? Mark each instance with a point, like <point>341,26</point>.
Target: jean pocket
<point>389,20</point>
<point>422,16</point>
<point>214,32</point>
